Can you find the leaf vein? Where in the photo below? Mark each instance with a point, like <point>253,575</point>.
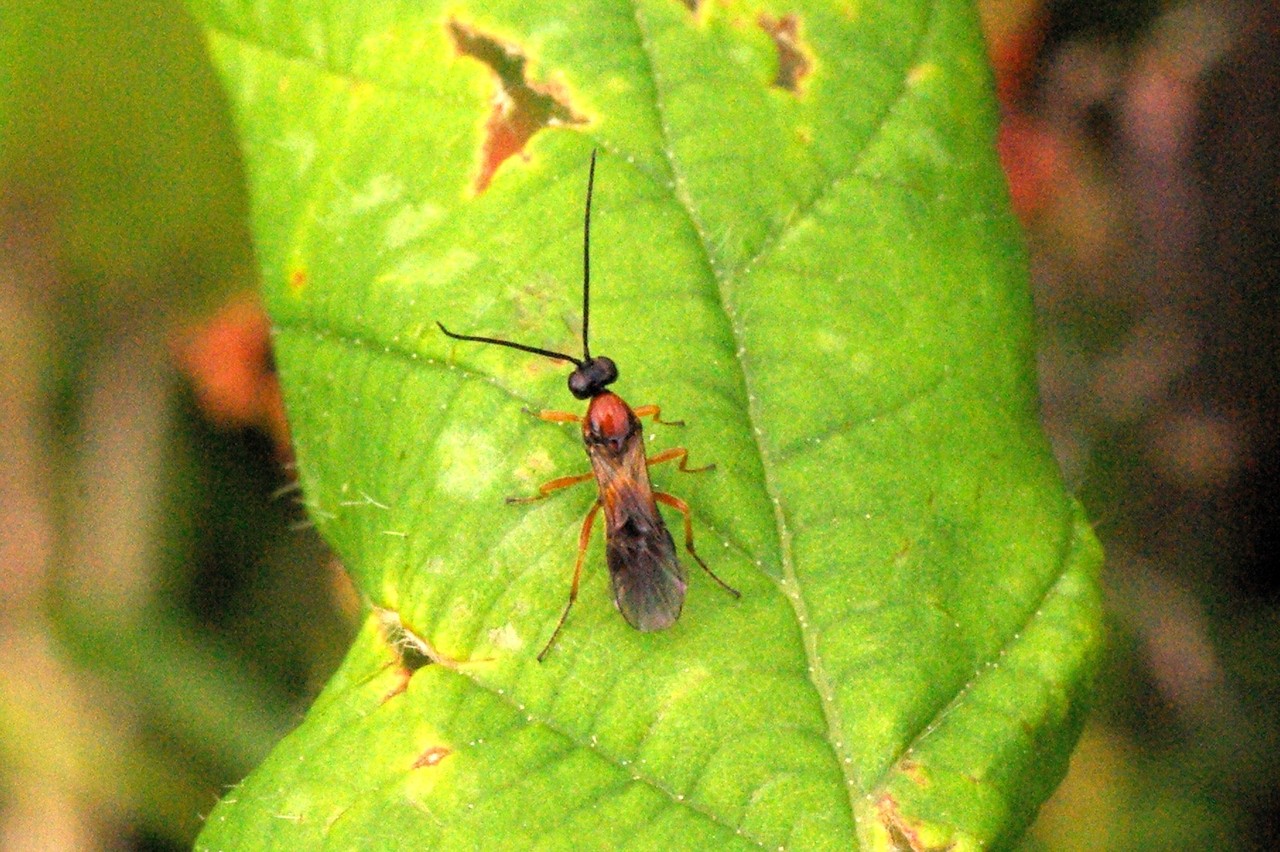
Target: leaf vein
<point>878,125</point>
<point>798,448</point>
<point>524,716</point>
<point>988,663</point>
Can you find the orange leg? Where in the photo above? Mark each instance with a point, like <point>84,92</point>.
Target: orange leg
<point>554,416</point>
<point>655,412</point>
<point>545,489</point>
<point>683,508</point>
<point>583,538</point>
<point>678,453</point>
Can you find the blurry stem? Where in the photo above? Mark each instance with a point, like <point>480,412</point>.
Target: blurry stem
<point>45,786</point>
<point>110,528</point>
<point>25,334</point>
<point>104,603</point>
<point>90,657</point>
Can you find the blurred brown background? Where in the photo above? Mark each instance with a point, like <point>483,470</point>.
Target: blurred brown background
<point>166,614</point>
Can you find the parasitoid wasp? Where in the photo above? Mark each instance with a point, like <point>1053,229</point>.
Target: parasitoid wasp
<point>648,580</point>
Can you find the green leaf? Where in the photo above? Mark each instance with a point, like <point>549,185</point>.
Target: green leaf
<point>824,281</point>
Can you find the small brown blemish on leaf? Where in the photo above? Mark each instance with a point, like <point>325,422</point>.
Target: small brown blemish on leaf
<point>297,281</point>
<point>793,62</point>
<point>337,814</point>
<point>692,5</point>
<point>915,772</point>
<point>903,833</point>
<point>520,107</point>
<point>432,756</point>
<point>403,676</point>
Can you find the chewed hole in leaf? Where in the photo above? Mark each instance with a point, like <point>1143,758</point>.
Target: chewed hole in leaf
<point>793,60</point>
<point>411,651</point>
<point>521,107</point>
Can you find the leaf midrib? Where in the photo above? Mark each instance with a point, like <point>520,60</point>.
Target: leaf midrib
<point>790,585</point>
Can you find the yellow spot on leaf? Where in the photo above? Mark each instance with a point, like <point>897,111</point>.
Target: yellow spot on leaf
<point>468,463</point>
<point>922,74</point>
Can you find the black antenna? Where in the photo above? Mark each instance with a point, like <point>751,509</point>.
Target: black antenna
<point>592,374</point>
<point>559,356</point>
<point>586,260</point>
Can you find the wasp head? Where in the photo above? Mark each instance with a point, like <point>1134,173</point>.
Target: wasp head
<point>592,377</point>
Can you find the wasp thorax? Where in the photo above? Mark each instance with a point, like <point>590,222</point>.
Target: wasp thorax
<point>609,422</point>
<point>592,377</point>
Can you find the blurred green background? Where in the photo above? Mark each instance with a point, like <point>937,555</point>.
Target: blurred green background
<point>166,614</point>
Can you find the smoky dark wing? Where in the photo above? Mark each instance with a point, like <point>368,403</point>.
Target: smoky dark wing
<point>648,580</point>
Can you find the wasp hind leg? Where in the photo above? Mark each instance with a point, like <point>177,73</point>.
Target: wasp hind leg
<point>655,411</point>
<point>682,454</point>
<point>583,539</point>
<point>683,508</point>
<point>546,489</point>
